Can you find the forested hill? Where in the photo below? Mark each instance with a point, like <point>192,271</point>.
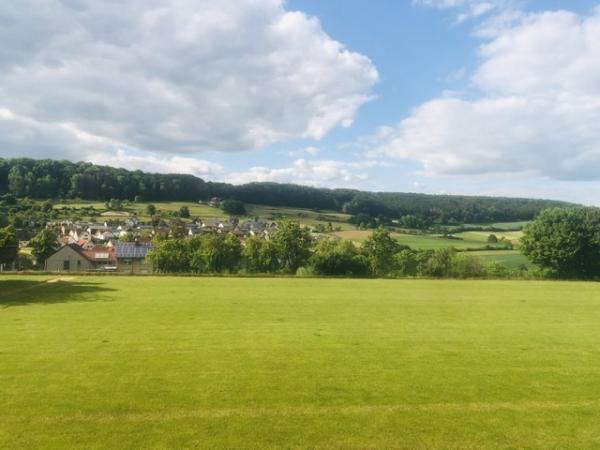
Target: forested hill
<point>43,179</point>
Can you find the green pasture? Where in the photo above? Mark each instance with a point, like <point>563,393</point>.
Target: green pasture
<point>163,362</point>
<point>482,236</point>
<point>196,209</point>
<point>420,241</point>
<point>305,216</point>
<point>503,225</point>
<point>509,258</point>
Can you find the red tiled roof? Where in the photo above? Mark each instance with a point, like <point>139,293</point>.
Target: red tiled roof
<point>100,253</point>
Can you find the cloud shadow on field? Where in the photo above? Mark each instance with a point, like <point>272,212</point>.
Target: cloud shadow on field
<point>26,292</point>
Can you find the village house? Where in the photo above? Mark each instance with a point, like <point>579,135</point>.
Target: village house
<point>194,229</point>
<point>211,225</point>
<point>73,258</point>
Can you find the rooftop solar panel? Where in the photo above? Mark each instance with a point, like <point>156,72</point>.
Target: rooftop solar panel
<point>133,250</point>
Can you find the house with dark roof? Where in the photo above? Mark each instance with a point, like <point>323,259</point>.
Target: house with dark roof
<point>132,257</point>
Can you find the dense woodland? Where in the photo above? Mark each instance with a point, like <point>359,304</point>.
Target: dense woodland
<point>41,179</point>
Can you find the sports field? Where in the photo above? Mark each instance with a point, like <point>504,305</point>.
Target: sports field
<point>160,362</point>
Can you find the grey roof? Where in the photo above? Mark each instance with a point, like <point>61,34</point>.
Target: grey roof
<point>133,250</point>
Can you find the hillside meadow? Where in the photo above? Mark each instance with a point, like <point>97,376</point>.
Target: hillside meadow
<point>163,362</point>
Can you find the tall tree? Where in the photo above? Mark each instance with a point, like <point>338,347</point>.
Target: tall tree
<point>9,245</point>
<point>184,212</point>
<point>234,207</point>
<point>339,257</point>
<point>171,255</point>
<point>566,241</point>
<point>261,255</point>
<point>294,244</point>
<point>44,245</point>
<point>217,253</point>
<point>380,249</point>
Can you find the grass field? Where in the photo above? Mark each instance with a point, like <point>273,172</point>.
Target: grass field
<point>420,241</point>
<point>122,362</point>
<point>509,258</point>
<point>196,209</point>
<point>482,236</point>
<point>502,225</point>
<point>305,216</point>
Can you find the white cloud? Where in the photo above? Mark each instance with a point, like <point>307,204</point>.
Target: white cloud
<point>493,15</point>
<point>311,172</point>
<point>28,137</point>
<point>24,136</point>
<point>475,10</point>
<point>311,150</point>
<point>151,162</point>
<point>469,9</point>
<point>535,106</point>
<point>177,76</point>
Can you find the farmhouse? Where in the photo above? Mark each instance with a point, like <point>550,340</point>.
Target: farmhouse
<point>73,258</point>
<point>122,257</point>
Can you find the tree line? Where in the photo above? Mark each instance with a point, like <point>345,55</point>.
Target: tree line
<point>42,179</point>
<point>292,250</point>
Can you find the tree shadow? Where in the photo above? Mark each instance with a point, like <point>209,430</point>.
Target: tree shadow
<point>27,292</point>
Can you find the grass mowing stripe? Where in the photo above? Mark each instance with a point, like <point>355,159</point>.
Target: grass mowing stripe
<point>171,415</point>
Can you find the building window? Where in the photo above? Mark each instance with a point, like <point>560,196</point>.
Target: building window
<point>66,265</point>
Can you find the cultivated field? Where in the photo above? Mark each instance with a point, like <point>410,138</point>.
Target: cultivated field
<point>159,362</point>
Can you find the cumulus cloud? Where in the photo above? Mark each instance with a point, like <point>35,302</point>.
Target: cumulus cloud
<point>173,76</point>
<point>24,136</point>
<point>28,137</point>
<point>534,107</point>
<point>311,151</point>
<point>151,162</point>
<point>312,172</point>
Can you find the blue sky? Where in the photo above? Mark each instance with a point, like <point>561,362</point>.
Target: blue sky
<point>495,97</point>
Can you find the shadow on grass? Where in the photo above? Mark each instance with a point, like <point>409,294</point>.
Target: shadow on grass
<point>26,292</point>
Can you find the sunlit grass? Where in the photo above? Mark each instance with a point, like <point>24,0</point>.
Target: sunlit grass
<point>157,362</point>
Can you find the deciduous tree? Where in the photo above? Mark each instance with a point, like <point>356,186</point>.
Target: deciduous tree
<point>380,249</point>
<point>294,243</point>
<point>44,245</point>
<point>9,245</point>
<point>566,241</point>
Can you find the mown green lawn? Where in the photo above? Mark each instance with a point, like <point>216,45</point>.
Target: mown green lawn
<point>125,362</point>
